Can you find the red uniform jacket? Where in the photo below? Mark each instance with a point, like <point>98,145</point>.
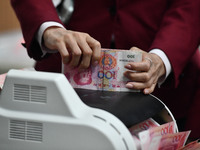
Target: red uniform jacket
<point>170,25</point>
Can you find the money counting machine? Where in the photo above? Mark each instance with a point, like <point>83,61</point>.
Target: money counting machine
<point>41,111</point>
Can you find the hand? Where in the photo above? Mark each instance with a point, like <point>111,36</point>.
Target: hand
<point>144,75</point>
<point>77,49</point>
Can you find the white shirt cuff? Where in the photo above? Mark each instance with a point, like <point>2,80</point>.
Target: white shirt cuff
<point>41,30</point>
<point>166,62</point>
<point>56,2</point>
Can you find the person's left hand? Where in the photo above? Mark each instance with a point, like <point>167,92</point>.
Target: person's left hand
<point>144,75</point>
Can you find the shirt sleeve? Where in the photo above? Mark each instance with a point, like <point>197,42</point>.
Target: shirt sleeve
<point>166,62</point>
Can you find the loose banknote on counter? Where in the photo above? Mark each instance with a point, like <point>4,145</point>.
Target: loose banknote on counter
<point>107,75</point>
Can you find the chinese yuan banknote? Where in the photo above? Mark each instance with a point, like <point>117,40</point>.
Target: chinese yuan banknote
<point>195,145</point>
<point>107,75</point>
<point>142,126</point>
<point>152,135</point>
<point>2,79</point>
<point>173,141</point>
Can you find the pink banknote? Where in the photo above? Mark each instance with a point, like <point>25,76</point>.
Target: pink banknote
<point>2,80</point>
<point>107,75</point>
<point>171,141</point>
<point>145,125</point>
<point>195,145</point>
<point>136,129</point>
<point>151,137</point>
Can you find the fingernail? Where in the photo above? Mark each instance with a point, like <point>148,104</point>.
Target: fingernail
<point>146,91</point>
<point>128,85</point>
<point>128,66</point>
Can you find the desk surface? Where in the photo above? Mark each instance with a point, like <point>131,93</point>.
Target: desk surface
<point>130,107</point>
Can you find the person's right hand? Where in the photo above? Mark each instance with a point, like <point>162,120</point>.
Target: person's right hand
<point>77,49</point>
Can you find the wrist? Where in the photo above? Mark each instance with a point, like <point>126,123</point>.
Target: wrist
<point>40,33</point>
<point>161,68</point>
<point>165,60</point>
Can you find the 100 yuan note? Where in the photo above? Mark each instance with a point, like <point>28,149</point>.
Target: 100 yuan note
<point>171,141</point>
<point>150,138</point>
<point>195,145</point>
<point>142,126</point>
<point>136,129</point>
<point>107,75</point>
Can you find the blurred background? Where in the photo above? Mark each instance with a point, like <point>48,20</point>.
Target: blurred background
<point>12,54</point>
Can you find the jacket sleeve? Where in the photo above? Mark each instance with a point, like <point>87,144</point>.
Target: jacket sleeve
<point>31,14</point>
<point>179,34</point>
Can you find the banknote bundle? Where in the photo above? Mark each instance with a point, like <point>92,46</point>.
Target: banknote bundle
<point>107,75</point>
<point>149,135</point>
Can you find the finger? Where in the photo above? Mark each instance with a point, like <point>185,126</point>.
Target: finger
<point>143,66</point>
<point>135,85</point>
<point>140,85</point>
<point>150,61</point>
<point>75,57</point>
<point>63,52</point>
<point>138,76</point>
<point>96,48</point>
<point>150,89</point>
<point>86,55</point>
<point>74,51</point>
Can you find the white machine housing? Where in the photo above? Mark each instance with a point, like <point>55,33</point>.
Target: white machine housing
<point>41,111</point>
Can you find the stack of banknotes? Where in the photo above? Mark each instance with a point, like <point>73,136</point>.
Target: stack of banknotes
<point>107,75</point>
<point>149,135</point>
